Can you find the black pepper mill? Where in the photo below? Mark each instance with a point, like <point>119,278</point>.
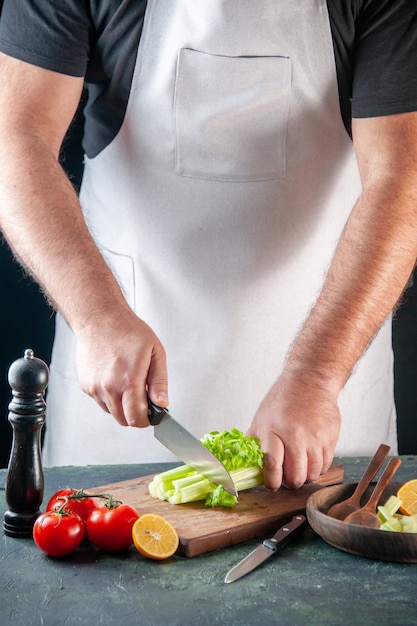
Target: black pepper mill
<point>28,378</point>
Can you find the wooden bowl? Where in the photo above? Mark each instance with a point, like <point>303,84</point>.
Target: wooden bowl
<point>367,542</point>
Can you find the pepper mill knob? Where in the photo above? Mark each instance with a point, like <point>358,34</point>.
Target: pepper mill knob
<point>28,378</point>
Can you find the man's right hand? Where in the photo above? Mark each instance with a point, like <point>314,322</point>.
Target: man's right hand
<point>119,361</point>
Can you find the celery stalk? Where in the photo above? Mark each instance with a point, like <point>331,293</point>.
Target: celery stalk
<point>242,457</point>
<point>183,485</point>
<point>191,492</point>
<point>247,477</point>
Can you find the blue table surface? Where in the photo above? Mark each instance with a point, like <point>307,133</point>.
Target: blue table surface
<point>308,582</point>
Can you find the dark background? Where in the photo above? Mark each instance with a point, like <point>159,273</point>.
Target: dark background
<point>26,321</point>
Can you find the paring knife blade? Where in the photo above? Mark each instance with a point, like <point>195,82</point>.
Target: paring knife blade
<point>267,549</point>
<point>187,448</point>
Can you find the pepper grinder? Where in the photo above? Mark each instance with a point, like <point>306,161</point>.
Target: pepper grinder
<point>28,378</point>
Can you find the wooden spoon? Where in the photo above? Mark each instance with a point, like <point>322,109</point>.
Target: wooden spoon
<point>341,510</point>
<point>366,515</point>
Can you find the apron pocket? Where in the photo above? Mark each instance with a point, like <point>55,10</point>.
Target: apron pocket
<point>230,116</point>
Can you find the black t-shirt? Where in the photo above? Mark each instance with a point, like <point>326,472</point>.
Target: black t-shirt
<point>375,45</point>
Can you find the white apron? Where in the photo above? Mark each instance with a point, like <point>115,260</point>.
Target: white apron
<point>219,205</point>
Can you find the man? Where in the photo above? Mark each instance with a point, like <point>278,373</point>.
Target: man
<point>256,252</point>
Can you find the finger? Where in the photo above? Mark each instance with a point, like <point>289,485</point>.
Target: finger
<point>135,407</point>
<point>113,405</point>
<point>273,462</point>
<point>327,459</point>
<point>273,449</point>
<point>109,403</point>
<point>315,466</point>
<point>157,380</point>
<point>295,468</point>
<point>126,402</point>
<point>118,415</point>
<point>103,405</point>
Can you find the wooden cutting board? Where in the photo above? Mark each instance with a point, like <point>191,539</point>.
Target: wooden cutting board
<point>201,529</point>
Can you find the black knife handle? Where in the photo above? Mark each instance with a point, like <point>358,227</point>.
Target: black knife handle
<point>285,533</point>
<point>155,413</point>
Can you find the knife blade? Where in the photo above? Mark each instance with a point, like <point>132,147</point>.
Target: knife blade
<point>268,548</point>
<point>187,448</point>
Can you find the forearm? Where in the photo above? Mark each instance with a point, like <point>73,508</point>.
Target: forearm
<point>374,259</point>
<point>42,220</point>
<point>298,422</point>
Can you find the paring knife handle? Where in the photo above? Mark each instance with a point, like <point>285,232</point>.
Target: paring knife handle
<point>285,533</point>
<point>155,413</point>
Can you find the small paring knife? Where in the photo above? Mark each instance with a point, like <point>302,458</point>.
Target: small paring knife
<point>268,548</point>
<point>187,448</point>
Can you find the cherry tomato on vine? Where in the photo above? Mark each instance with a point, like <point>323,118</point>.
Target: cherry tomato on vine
<point>58,533</point>
<point>77,501</point>
<point>110,527</point>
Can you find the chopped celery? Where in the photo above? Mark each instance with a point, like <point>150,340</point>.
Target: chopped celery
<point>392,524</point>
<point>173,474</point>
<point>408,523</point>
<point>247,477</point>
<point>233,448</point>
<point>197,489</point>
<point>388,510</point>
<point>391,520</point>
<point>242,457</point>
<point>182,484</point>
<point>383,514</point>
<point>391,506</point>
<point>220,497</point>
<point>153,490</point>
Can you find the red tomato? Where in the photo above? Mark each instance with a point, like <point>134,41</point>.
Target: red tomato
<point>78,503</point>
<point>111,528</point>
<point>58,534</point>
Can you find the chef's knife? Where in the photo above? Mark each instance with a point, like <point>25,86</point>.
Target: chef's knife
<point>187,448</point>
<point>267,549</point>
